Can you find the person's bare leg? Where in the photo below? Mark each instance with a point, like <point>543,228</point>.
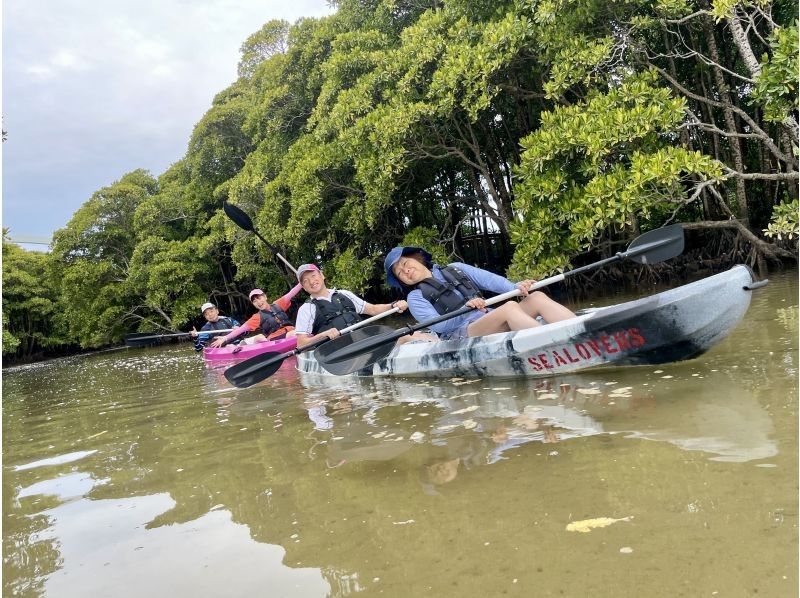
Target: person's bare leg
<point>539,304</point>
<point>509,316</point>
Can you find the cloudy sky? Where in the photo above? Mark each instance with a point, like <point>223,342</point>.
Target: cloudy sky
<point>92,90</point>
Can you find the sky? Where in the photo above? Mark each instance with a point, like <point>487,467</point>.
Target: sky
<point>92,90</point>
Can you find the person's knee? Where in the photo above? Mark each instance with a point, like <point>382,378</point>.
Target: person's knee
<point>511,307</point>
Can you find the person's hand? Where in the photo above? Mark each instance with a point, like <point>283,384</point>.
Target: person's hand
<point>524,287</point>
<point>401,305</point>
<point>477,302</point>
<point>332,333</point>
<point>218,342</point>
<point>194,332</point>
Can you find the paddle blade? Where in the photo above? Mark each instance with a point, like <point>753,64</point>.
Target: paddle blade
<point>656,245</point>
<point>359,349</point>
<point>255,369</point>
<point>241,219</point>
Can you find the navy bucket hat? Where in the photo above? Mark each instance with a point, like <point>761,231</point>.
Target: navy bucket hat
<point>395,254</point>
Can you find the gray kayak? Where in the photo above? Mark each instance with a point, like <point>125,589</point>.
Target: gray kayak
<point>674,325</point>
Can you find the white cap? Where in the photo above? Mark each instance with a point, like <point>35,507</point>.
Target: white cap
<point>206,306</point>
<point>305,268</point>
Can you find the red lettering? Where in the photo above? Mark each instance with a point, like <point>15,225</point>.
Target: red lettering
<point>583,352</point>
<point>637,340</point>
<point>622,341</point>
<point>559,360</point>
<point>543,358</point>
<point>534,363</point>
<point>607,346</point>
<point>569,356</point>
<point>595,347</point>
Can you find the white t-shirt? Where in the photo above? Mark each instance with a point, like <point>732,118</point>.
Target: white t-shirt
<point>308,311</point>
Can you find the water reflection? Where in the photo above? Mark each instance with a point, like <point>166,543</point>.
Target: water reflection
<point>145,471</point>
<point>477,423</point>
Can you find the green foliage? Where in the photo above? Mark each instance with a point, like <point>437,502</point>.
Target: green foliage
<point>395,120</point>
<point>785,222</point>
<point>603,162</point>
<point>427,238</point>
<point>29,302</point>
<point>10,342</point>
<point>721,9</point>
<point>93,303</point>
<point>776,88</point>
<point>218,146</point>
<point>266,42</point>
<point>347,271</point>
<point>92,257</point>
<point>101,228</point>
<point>170,276</point>
<point>576,62</point>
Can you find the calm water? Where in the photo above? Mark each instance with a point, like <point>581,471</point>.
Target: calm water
<point>142,472</point>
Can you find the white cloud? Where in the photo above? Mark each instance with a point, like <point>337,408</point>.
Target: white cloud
<point>66,59</point>
<point>111,87</point>
<point>39,70</point>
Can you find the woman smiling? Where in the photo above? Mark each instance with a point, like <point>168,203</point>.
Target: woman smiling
<point>433,290</point>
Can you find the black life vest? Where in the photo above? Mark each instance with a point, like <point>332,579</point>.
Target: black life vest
<point>450,295</point>
<point>339,312</point>
<point>222,323</point>
<point>273,318</point>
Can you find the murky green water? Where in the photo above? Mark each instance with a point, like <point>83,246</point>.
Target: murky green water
<point>142,472</point>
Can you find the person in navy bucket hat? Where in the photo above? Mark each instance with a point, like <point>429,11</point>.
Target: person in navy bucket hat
<point>432,290</point>
<point>398,252</point>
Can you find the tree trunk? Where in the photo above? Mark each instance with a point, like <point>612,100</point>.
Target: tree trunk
<point>730,120</point>
<point>753,65</point>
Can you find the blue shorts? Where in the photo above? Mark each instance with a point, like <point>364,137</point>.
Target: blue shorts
<point>457,334</point>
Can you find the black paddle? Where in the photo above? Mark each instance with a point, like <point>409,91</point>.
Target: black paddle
<point>346,355</point>
<point>243,221</point>
<point>262,366</point>
<point>142,339</point>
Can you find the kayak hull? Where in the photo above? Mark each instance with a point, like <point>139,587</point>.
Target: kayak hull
<point>674,325</point>
<point>240,352</point>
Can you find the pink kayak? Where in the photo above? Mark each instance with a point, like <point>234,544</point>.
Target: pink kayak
<point>236,352</point>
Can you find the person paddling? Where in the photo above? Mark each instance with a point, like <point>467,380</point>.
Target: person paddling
<point>433,290</point>
<point>214,321</point>
<point>271,319</point>
<point>330,310</point>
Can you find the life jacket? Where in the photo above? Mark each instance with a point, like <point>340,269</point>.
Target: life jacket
<point>273,319</point>
<point>450,295</point>
<point>222,323</point>
<point>339,312</point>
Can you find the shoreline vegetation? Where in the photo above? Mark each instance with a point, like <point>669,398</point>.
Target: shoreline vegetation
<point>526,138</point>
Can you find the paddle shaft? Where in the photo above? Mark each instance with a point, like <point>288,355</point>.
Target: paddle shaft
<point>369,344</point>
<point>144,338</point>
<point>275,251</point>
<point>246,371</point>
<point>243,221</point>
